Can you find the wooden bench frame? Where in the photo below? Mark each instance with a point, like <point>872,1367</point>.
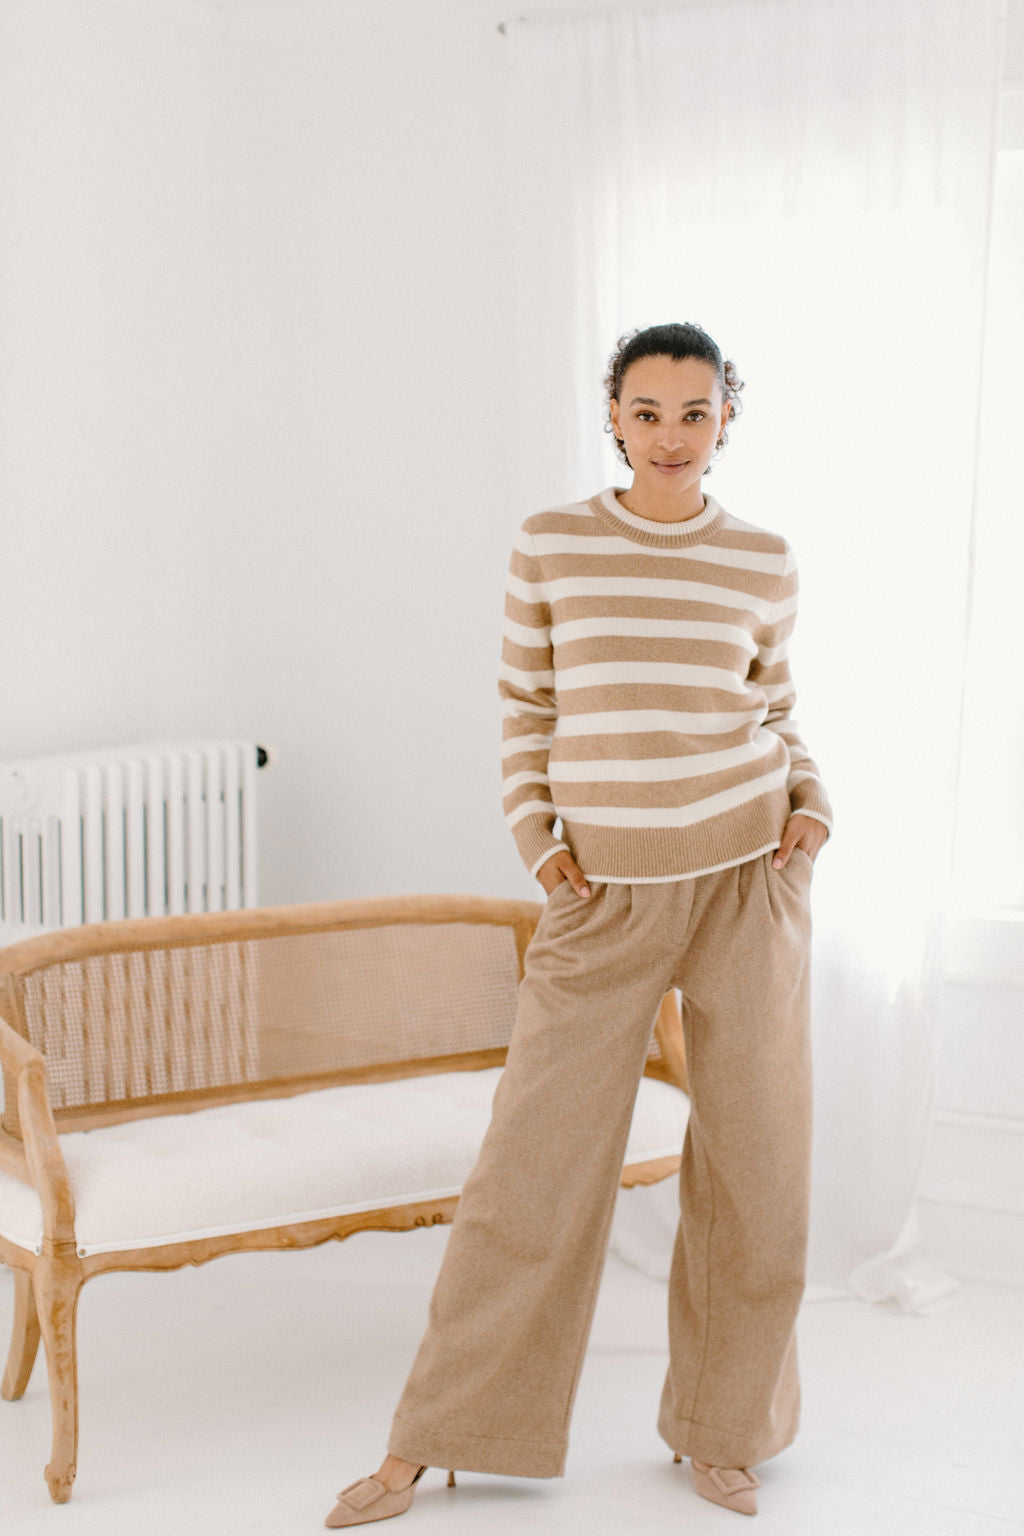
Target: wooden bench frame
<point>47,1284</point>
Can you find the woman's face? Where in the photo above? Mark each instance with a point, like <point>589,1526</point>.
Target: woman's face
<point>669,415</point>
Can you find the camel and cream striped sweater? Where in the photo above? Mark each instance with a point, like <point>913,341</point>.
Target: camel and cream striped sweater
<point>646,692</point>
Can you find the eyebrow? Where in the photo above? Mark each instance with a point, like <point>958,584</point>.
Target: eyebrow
<point>646,400</point>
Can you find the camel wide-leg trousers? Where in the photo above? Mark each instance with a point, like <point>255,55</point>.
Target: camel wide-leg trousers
<point>493,1383</point>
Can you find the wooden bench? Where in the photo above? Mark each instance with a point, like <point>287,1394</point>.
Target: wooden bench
<point>180,1088</point>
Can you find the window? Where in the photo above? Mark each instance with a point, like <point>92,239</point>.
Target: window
<point>989,854</point>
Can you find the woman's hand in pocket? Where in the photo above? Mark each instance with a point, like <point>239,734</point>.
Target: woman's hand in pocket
<point>562,866</point>
<point>804,832</point>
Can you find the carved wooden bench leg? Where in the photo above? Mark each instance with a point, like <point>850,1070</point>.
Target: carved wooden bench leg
<point>58,1280</point>
<point>24,1338</point>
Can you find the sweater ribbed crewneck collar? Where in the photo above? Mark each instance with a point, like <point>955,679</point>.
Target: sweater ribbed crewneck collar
<point>645,530</point>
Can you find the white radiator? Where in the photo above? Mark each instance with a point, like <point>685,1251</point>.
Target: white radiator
<point>137,831</point>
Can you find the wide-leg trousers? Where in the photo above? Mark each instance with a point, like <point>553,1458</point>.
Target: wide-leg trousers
<point>493,1384</point>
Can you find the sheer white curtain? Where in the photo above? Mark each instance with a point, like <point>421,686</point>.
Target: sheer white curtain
<point>809,180</point>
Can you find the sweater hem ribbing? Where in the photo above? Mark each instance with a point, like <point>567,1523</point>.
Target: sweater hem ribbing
<point>679,853</point>
<point>695,874</point>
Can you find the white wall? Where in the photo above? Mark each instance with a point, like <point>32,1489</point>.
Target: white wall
<point>257,433</point>
<point>258,455</point>
<point>258,438</point>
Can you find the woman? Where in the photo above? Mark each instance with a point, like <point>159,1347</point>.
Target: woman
<point>647,703</point>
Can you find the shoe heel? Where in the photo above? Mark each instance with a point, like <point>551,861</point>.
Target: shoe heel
<point>451,1478</point>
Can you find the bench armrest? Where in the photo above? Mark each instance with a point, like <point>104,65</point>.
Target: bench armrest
<point>37,1159</point>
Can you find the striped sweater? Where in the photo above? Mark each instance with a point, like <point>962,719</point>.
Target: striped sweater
<point>646,693</point>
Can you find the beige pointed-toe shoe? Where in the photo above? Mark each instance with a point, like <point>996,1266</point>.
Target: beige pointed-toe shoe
<point>368,1499</point>
<point>732,1487</point>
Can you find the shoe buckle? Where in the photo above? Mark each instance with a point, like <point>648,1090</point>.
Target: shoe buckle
<point>362,1492</point>
<point>732,1479</point>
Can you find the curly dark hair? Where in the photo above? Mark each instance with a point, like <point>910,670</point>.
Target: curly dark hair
<point>678,341</point>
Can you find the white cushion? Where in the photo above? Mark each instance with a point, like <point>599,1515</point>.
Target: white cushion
<point>271,1162</point>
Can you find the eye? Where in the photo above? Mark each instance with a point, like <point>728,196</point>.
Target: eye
<point>696,415</point>
<point>640,415</point>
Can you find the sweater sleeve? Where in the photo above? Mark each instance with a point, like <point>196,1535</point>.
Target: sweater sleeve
<point>770,668</point>
<point>529,707</point>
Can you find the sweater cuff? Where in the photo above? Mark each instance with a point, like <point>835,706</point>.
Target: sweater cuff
<point>536,841</point>
<point>806,810</point>
<point>546,855</point>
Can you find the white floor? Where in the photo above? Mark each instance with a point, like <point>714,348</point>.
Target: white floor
<point>241,1396</point>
